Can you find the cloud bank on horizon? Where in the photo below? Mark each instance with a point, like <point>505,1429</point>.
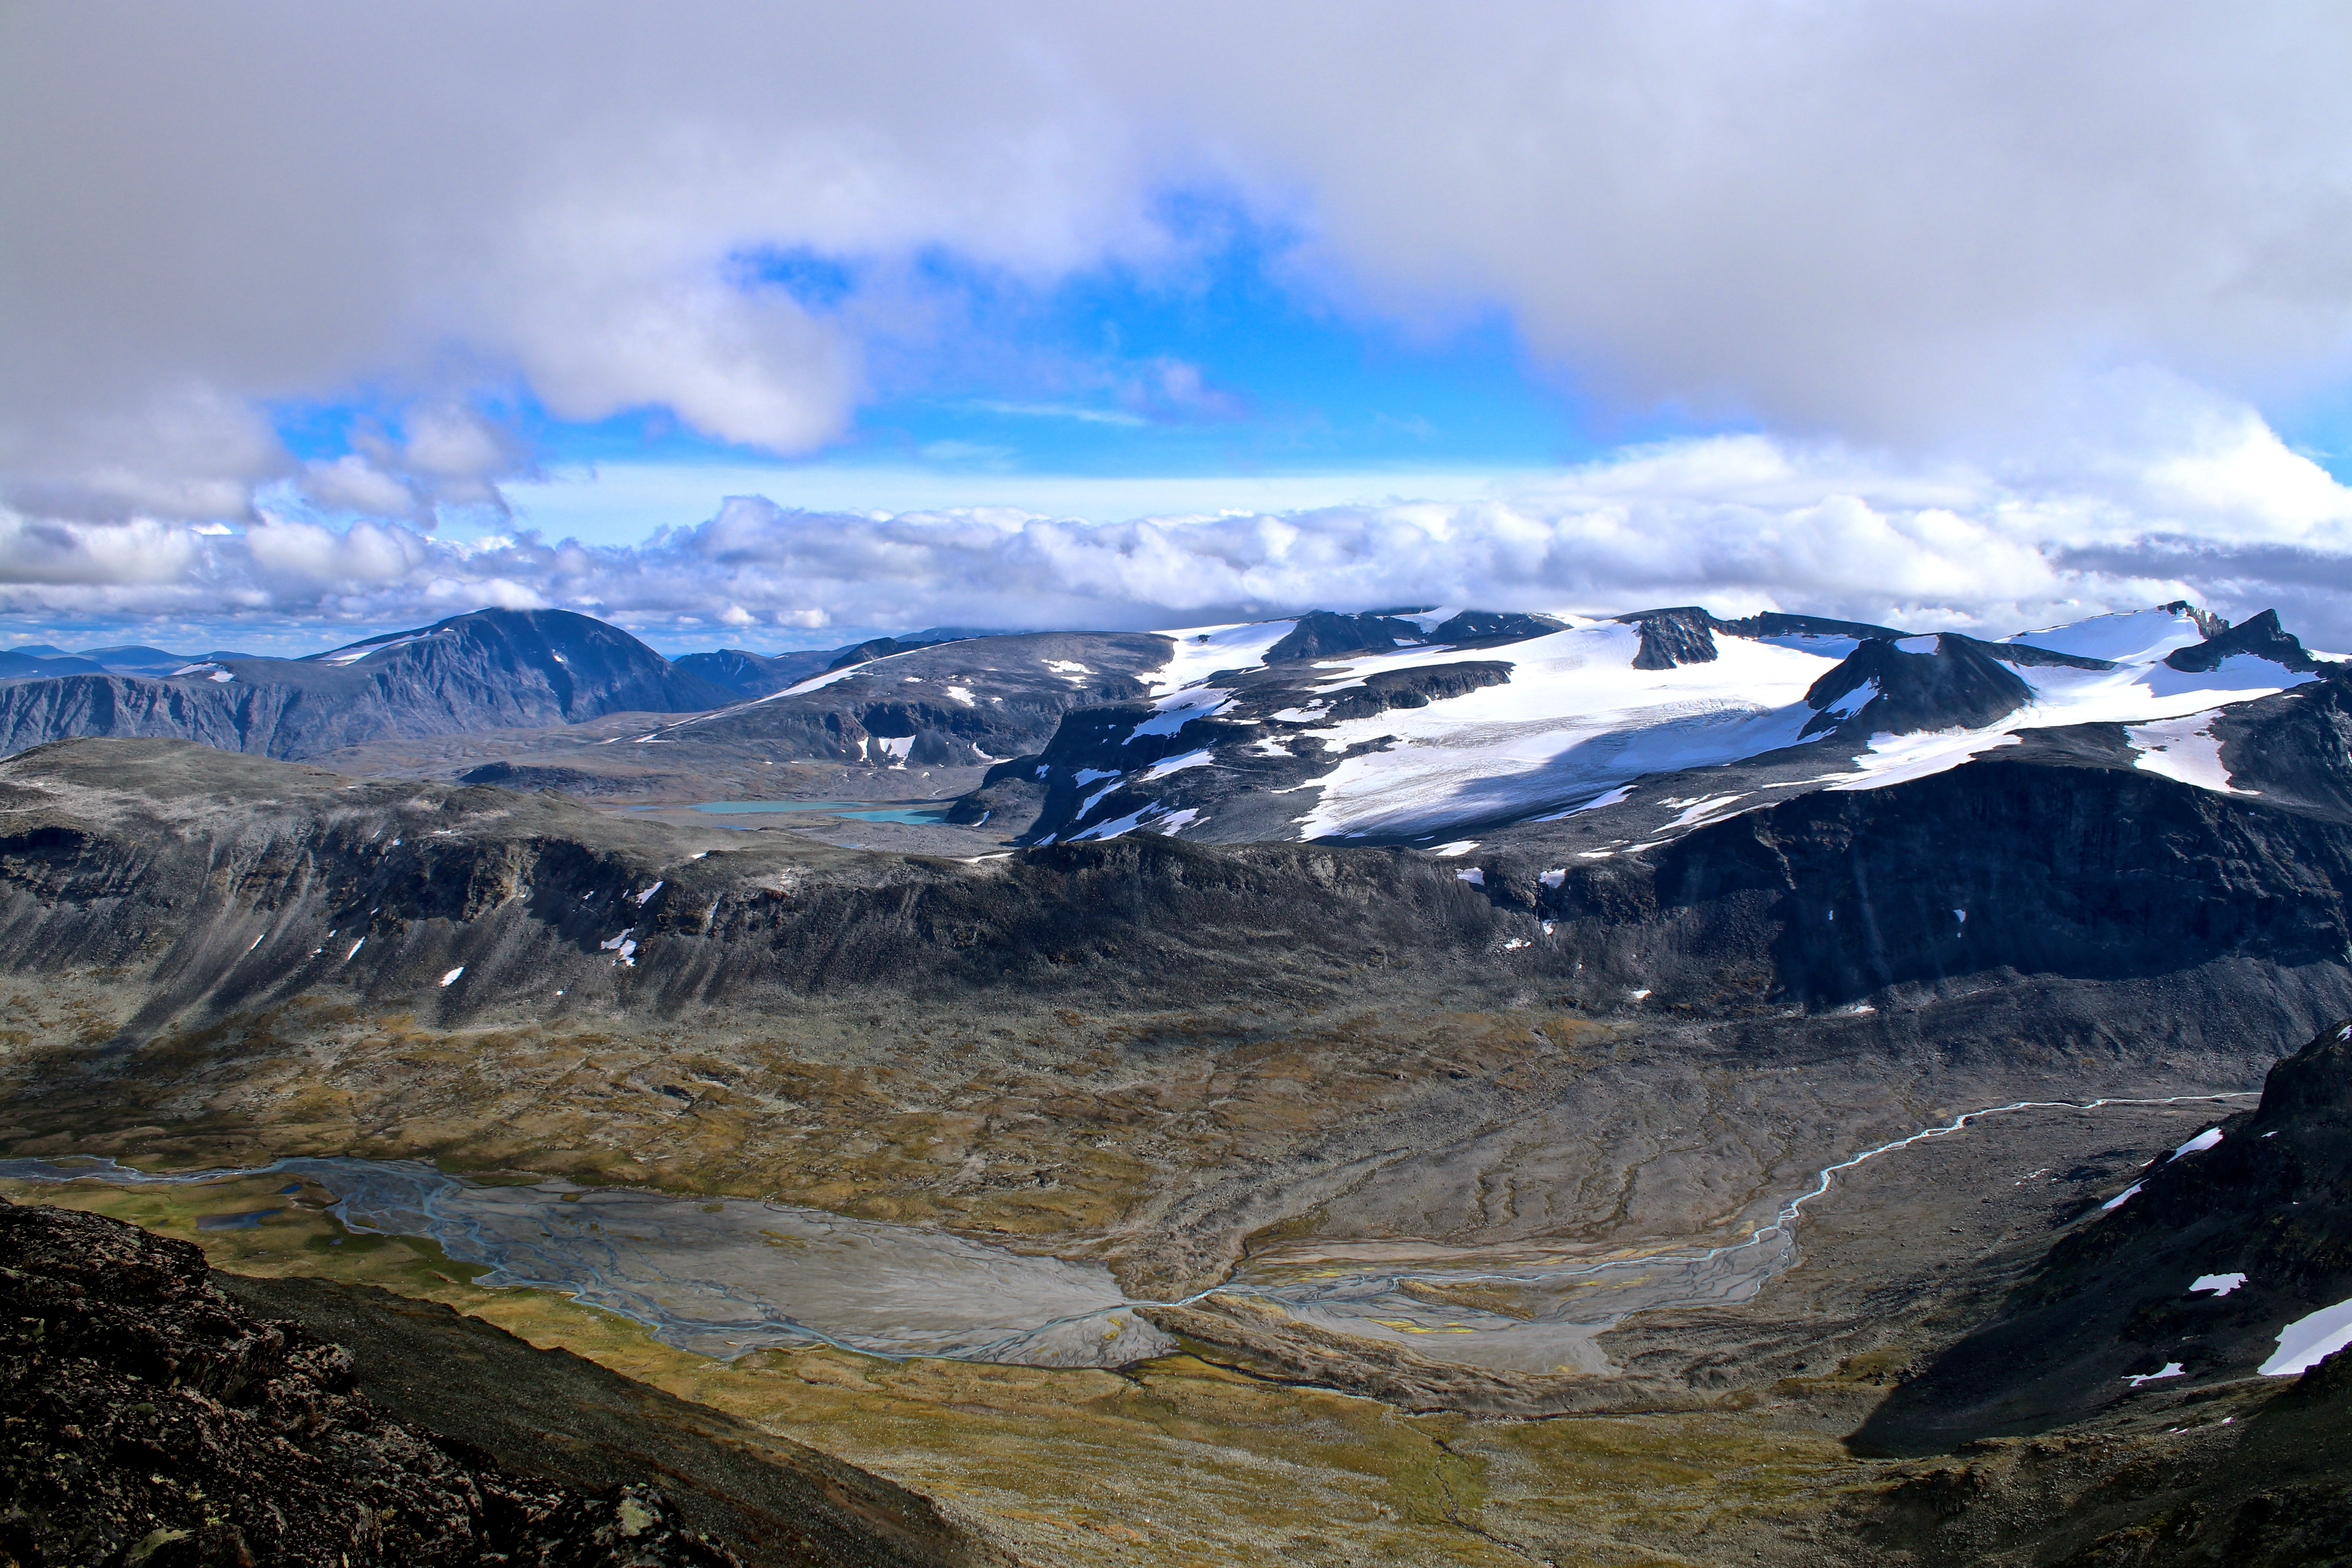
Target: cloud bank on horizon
<point>1738,524</point>
<point>1981,313</point>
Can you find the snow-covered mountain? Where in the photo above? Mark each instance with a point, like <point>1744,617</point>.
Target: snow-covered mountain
<point>1457,723</point>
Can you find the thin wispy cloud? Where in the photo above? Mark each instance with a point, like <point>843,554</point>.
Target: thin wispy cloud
<point>1061,411</point>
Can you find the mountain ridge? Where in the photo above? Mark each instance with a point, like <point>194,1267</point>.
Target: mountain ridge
<point>487,669</point>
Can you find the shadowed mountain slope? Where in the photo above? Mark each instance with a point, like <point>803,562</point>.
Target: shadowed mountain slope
<point>195,1418</point>
<point>2196,1271</point>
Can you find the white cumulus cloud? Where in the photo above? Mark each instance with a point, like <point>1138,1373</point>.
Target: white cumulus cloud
<point>1737,523</point>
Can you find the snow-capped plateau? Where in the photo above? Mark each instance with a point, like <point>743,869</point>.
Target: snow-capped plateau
<point>1441,726</point>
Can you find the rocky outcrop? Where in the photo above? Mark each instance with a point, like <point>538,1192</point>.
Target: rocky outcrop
<point>1320,634</point>
<point>2261,635</point>
<point>1775,623</point>
<point>560,1417</point>
<point>1885,688</point>
<point>1671,637</point>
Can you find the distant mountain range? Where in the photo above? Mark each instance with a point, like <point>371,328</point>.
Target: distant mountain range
<point>1407,725</point>
<point>1655,721</point>
<point>491,670</point>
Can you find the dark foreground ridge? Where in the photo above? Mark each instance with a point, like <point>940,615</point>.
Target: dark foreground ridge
<point>2265,1209</point>
<point>151,1420</point>
<point>2058,1456</point>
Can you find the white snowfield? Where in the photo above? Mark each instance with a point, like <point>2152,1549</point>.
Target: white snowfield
<point>1201,651</point>
<point>1575,718</point>
<point>359,651</point>
<point>1577,723</point>
<point>2198,1144</point>
<point>2308,1340</point>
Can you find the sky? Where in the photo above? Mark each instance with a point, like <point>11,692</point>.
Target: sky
<point>779,325</point>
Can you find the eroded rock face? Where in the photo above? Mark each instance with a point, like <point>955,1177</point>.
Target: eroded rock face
<point>151,1421</point>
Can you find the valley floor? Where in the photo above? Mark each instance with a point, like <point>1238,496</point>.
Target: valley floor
<point>1200,1458</point>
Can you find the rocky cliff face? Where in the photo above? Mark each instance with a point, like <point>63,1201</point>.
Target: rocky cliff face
<point>229,883</point>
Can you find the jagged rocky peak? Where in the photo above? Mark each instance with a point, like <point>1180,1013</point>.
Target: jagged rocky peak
<point>1901,685</point>
<point>2205,620</point>
<point>2312,1088</point>
<point>2261,635</point>
<point>1685,635</point>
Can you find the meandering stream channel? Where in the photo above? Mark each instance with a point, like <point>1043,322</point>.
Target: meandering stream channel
<point>725,1277</point>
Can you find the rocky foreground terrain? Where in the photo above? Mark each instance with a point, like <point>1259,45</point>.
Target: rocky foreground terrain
<point>153,1419</point>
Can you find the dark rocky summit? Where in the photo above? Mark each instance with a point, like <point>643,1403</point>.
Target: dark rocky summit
<point>1670,637</point>
<point>2261,635</point>
<point>150,1421</point>
<point>2110,1415</point>
<point>1320,634</point>
<point>1885,688</point>
<point>747,674</point>
<point>1686,634</point>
